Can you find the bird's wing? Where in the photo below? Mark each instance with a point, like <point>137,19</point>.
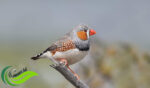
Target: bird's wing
<point>61,45</point>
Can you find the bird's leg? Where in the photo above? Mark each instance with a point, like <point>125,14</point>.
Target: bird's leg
<point>62,60</point>
<point>76,75</point>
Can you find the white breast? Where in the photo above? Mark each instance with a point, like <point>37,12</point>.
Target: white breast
<point>73,55</point>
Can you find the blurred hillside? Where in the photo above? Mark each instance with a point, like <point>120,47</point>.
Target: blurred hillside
<point>118,65</point>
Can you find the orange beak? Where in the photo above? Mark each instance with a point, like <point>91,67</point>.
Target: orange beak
<point>92,32</point>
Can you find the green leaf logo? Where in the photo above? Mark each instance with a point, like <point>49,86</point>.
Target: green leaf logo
<point>18,78</point>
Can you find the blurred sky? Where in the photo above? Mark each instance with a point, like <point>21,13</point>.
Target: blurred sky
<point>114,20</point>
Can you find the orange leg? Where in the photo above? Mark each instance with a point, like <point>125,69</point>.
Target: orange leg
<point>66,63</point>
<point>76,75</point>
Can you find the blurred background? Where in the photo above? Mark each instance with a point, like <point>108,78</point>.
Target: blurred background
<point>119,56</point>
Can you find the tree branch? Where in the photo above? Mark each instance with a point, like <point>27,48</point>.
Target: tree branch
<point>68,75</point>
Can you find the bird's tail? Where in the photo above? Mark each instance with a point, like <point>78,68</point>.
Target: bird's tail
<point>45,54</point>
<point>37,56</point>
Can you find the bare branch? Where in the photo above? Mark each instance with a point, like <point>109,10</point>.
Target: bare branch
<point>69,76</point>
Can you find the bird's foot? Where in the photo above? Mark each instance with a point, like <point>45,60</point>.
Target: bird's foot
<point>63,61</point>
<point>77,76</point>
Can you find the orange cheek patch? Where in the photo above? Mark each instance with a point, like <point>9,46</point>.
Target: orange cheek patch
<point>82,35</point>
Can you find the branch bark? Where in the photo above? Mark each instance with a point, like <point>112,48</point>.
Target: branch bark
<point>68,75</point>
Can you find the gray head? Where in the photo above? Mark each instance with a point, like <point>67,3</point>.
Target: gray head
<point>81,35</point>
<point>83,32</point>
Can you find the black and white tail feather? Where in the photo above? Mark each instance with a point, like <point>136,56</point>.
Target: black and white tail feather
<point>45,54</point>
<point>41,55</point>
<point>37,56</point>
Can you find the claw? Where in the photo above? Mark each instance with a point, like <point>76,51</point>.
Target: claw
<point>77,76</point>
<point>63,61</point>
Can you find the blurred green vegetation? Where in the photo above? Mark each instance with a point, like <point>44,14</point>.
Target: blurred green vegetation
<point>117,65</point>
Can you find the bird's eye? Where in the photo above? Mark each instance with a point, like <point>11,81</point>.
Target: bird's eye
<point>85,30</point>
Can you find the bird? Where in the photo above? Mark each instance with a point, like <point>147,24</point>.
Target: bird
<point>71,48</point>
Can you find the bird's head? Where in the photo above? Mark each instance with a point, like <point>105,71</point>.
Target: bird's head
<point>83,32</point>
